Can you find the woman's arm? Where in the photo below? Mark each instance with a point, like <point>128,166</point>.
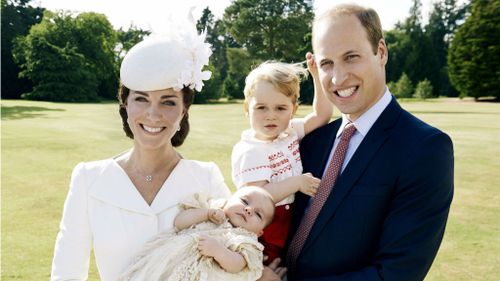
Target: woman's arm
<point>322,107</point>
<point>74,240</point>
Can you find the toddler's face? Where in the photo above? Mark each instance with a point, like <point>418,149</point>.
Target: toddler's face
<point>250,209</point>
<point>270,111</point>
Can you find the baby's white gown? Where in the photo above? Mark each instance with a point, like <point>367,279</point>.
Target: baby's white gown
<point>174,256</point>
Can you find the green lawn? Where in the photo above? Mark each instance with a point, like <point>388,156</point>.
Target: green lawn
<point>42,142</point>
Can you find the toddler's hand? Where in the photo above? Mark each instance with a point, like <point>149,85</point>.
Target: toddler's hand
<point>209,246</point>
<point>308,184</point>
<point>311,65</point>
<point>216,216</point>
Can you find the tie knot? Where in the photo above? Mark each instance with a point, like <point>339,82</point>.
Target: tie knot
<point>349,130</point>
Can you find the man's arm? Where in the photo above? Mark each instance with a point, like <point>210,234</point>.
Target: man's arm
<point>416,218</point>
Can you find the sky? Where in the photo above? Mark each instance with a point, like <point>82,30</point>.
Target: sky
<point>153,14</point>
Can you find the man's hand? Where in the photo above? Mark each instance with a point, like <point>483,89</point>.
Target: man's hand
<point>273,272</point>
<point>209,246</point>
<point>216,216</point>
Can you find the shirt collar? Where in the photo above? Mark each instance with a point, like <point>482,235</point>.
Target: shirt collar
<point>367,119</point>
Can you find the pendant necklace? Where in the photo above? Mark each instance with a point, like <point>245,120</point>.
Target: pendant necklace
<point>149,178</point>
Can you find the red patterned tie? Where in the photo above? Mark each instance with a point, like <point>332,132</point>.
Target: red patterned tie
<point>324,189</point>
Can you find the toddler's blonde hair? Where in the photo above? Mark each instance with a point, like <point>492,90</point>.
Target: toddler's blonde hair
<point>285,77</point>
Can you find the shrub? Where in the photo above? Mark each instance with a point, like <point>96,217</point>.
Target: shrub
<point>404,88</point>
<point>424,89</point>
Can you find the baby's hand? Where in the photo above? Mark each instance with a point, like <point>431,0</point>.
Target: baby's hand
<point>209,246</point>
<point>308,184</point>
<point>216,216</point>
<point>311,65</point>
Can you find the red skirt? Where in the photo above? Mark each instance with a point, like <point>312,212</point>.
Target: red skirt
<point>276,234</point>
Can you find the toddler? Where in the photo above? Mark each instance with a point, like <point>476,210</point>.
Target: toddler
<point>268,154</point>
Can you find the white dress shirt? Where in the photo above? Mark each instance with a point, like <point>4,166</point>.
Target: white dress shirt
<point>363,125</point>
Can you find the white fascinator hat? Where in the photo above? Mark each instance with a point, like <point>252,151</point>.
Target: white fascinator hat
<point>174,60</point>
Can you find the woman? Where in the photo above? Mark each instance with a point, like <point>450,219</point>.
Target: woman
<point>115,205</point>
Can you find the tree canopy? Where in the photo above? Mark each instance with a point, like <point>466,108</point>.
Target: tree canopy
<point>76,57</point>
<point>474,55</point>
<point>16,19</point>
<point>69,58</point>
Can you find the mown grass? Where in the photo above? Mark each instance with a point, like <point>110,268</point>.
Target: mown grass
<point>42,142</point>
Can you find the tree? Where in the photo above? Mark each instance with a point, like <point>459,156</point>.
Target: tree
<point>240,64</point>
<point>128,38</point>
<point>404,87</point>
<point>95,39</point>
<point>473,58</point>
<point>423,90</point>
<point>443,22</point>
<point>16,19</point>
<point>69,58</point>
<point>270,29</point>
<point>420,62</point>
<point>399,46</point>
<point>218,61</point>
<point>409,49</point>
<point>58,73</point>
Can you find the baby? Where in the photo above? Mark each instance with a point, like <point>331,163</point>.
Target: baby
<point>213,240</point>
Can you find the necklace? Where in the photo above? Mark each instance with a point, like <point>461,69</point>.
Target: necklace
<point>148,178</point>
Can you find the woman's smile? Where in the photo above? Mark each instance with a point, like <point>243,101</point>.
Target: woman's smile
<point>152,130</point>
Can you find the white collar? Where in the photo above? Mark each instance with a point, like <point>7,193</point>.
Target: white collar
<point>114,187</point>
<point>367,119</point>
<point>249,136</point>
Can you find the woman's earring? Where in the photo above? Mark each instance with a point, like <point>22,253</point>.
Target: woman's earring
<point>179,128</point>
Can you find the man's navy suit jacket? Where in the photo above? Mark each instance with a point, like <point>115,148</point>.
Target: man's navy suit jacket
<point>385,217</point>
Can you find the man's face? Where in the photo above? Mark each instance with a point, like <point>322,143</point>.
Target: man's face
<point>352,76</point>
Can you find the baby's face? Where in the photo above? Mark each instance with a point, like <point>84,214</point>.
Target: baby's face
<point>250,209</point>
<point>270,111</point>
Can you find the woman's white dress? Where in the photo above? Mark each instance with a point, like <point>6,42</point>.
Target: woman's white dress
<point>174,256</point>
<point>105,212</point>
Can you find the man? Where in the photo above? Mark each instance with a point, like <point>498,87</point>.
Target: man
<point>384,216</point>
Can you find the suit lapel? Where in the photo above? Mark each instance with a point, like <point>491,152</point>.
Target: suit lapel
<point>114,187</point>
<point>372,142</point>
<point>324,146</point>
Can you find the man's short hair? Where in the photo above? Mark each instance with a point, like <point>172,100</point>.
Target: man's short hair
<point>367,16</point>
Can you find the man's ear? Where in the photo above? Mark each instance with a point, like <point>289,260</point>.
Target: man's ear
<point>295,107</point>
<point>260,233</point>
<point>382,51</point>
